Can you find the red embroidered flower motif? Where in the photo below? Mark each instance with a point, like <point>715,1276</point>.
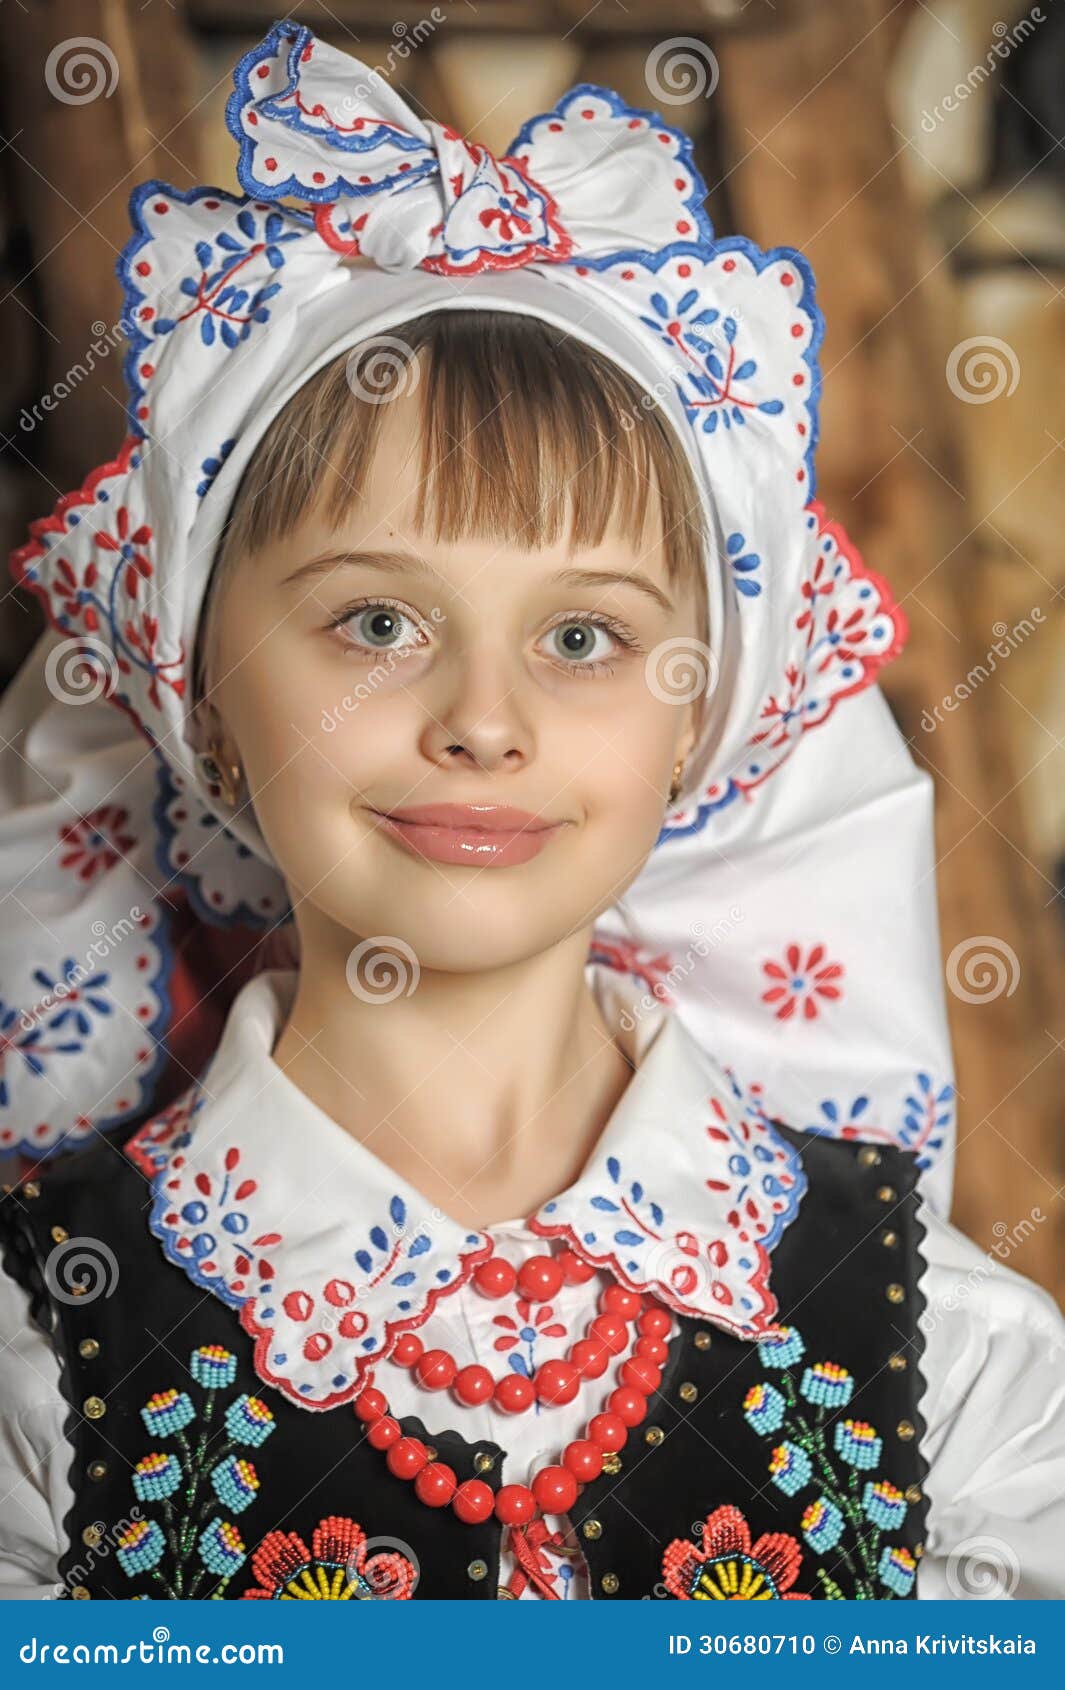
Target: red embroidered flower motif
<point>73,598</point>
<point>532,1326</point>
<point>334,1569</point>
<point>728,1568</point>
<point>95,841</point>
<point>802,982</point>
<point>128,546</point>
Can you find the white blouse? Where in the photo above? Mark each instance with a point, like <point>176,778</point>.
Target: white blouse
<point>994,1361</point>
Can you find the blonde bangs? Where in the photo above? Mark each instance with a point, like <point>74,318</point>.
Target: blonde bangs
<point>527,435</point>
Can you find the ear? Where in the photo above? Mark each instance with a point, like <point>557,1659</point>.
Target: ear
<point>207,730</point>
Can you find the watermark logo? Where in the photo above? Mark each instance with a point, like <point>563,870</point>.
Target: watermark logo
<point>80,69</point>
<point>680,670</point>
<point>982,369</point>
<point>79,671</point>
<point>980,969</point>
<point>382,369</point>
<point>382,969</point>
<point>680,70</point>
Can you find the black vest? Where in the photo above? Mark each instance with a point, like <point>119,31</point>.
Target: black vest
<point>831,1457</point>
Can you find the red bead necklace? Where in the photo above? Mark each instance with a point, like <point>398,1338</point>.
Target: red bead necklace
<point>555,1488</point>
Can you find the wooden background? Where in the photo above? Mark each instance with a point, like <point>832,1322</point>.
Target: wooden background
<point>926,228</point>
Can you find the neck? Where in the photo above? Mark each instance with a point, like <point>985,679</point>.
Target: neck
<point>487,1092</point>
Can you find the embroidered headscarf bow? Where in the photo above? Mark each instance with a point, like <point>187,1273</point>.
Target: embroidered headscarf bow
<point>787,912</point>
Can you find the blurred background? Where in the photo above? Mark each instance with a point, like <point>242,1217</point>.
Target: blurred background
<point>912,149</point>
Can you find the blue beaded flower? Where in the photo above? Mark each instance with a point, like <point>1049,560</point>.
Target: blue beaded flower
<point>167,1412</point>
<point>790,1467</point>
<point>764,1408</point>
<point>822,1525</point>
<point>858,1443</point>
<point>236,1483</point>
<point>884,1504</point>
<point>140,1547</point>
<point>213,1367</point>
<point>249,1421</point>
<point>827,1385</point>
<point>781,1349</point>
<point>221,1548</point>
<point>156,1476</point>
<point>897,1569</point>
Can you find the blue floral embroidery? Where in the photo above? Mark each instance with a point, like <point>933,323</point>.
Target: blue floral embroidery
<point>211,466</point>
<point>845,1518</point>
<point>743,566</point>
<point>929,1112</point>
<point>190,1482</point>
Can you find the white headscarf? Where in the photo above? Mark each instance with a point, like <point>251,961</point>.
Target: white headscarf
<point>787,912</point>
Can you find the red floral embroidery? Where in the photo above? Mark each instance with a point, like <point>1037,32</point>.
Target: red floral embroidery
<point>532,1325</point>
<point>95,841</point>
<point>334,1569</point>
<point>728,1568</point>
<point>129,547</point>
<point>801,982</point>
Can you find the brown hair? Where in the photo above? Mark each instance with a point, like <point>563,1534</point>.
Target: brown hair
<point>523,427</point>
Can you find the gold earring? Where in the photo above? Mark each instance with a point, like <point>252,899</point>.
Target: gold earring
<point>226,776</point>
<point>678,771</point>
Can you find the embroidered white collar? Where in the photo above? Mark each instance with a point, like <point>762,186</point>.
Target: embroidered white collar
<point>328,1254</point>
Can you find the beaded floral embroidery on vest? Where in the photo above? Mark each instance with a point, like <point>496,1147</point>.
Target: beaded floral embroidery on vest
<point>816,1455</point>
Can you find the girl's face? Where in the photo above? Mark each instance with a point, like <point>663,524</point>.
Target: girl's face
<point>364,670</point>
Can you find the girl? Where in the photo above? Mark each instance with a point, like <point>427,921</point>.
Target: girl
<point>473,627</point>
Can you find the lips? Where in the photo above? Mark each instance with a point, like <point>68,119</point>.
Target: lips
<point>472,818</point>
<point>477,835</point>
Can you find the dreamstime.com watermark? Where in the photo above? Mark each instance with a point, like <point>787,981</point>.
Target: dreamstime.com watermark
<point>160,1651</point>
<point>1006,641</point>
<point>1008,1239</point>
<point>1006,39</point>
<point>408,36</point>
<point>390,659</point>
<point>105,941</point>
<point>100,348</point>
<point>700,946</point>
<point>101,1540</point>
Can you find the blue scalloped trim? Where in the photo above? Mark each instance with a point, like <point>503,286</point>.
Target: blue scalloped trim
<point>243,915</point>
<point>181,1258</point>
<point>695,206</point>
<point>761,260</point>
<point>146,1082</point>
<point>243,93</point>
<point>132,294</point>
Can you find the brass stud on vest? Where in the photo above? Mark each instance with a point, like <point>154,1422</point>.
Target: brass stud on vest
<point>612,1463</point>
<point>886,1193</point>
<point>60,1234</point>
<point>918,1551</point>
<point>896,1293</point>
<point>889,1239</point>
<point>687,1392</point>
<point>93,1536</point>
<point>30,1188</point>
<point>653,1435</point>
<point>505,1595</point>
<point>702,1339</point>
<point>477,1569</point>
<point>869,1157</point>
<point>81,1593</point>
<point>89,1349</point>
<point>6,1189</point>
<point>610,1583</point>
<point>897,1363</point>
<point>913,1493</point>
<point>97,1469</point>
<point>484,1462</point>
<point>94,1408</point>
<point>905,1429</point>
<point>430,1453</point>
<point>592,1528</point>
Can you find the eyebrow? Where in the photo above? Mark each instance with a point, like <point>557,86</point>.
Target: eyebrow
<point>396,562</point>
